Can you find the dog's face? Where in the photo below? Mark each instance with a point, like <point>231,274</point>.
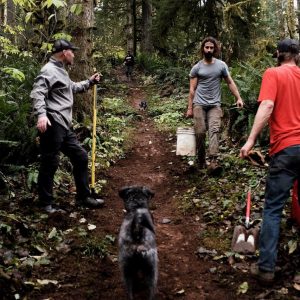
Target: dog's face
<point>135,197</point>
<point>137,246</point>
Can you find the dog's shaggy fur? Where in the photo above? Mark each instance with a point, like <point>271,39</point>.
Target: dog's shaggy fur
<point>143,105</point>
<point>137,247</point>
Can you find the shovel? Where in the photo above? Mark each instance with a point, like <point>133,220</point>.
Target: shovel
<point>244,239</point>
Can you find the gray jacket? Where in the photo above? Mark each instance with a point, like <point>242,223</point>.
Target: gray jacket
<point>53,90</point>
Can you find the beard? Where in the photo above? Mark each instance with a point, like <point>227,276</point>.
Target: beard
<point>208,55</point>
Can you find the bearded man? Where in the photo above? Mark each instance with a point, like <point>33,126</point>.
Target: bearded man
<point>204,103</point>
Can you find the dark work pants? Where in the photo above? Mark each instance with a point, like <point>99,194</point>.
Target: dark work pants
<point>207,119</point>
<point>58,139</point>
<point>129,70</point>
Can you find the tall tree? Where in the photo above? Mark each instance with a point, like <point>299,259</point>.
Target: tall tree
<point>280,16</point>
<point>146,38</point>
<point>291,18</point>
<point>81,26</point>
<point>298,18</point>
<point>131,26</point>
<point>7,12</point>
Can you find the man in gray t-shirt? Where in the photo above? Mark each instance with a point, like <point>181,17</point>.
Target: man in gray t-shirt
<point>204,102</point>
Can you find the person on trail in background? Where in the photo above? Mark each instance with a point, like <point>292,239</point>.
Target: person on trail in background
<point>204,102</point>
<point>279,100</point>
<point>52,96</point>
<point>129,63</point>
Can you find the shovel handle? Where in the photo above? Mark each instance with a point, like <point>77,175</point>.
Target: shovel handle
<point>248,209</point>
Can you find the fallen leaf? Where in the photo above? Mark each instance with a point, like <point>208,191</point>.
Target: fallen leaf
<point>204,251</point>
<point>165,221</point>
<point>82,220</point>
<point>52,233</point>
<point>46,281</point>
<point>181,292</point>
<point>91,227</point>
<point>292,244</point>
<point>243,288</point>
<point>283,291</point>
<point>73,215</point>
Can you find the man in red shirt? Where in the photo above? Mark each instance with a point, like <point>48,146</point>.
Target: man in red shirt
<point>279,105</point>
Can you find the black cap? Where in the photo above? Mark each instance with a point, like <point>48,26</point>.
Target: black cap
<point>60,45</point>
<point>288,45</point>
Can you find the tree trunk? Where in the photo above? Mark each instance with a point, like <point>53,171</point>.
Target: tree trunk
<point>291,18</point>
<point>10,16</point>
<point>281,18</point>
<point>83,64</point>
<point>131,26</point>
<point>146,42</point>
<point>298,17</point>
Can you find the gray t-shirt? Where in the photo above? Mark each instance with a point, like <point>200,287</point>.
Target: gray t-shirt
<point>208,91</point>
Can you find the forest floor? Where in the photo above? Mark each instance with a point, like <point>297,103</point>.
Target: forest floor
<point>183,274</point>
<point>151,162</point>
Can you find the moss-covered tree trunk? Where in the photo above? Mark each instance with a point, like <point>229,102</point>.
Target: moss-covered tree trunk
<point>146,41</point>
<point>131,26</point>
<point>298,18</point>
<point>280,7</point>
<point>81,31</point>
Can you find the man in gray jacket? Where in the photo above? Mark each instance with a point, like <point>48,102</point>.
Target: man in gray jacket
<point>52,96</point>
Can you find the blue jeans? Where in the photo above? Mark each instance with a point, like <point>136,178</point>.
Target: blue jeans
<point>283,171</point>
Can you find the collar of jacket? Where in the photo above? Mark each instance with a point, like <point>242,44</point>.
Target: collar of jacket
<point>56,62</point>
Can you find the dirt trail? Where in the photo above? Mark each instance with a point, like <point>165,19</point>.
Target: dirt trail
<point>152,162</point>
<point>182,274</point>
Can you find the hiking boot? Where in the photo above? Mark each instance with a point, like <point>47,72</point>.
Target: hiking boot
<point>49,209</point>
<point>264,277</point>
<point>214,168</point>
<point>91,202</point>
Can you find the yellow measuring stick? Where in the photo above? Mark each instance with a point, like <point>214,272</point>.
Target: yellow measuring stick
<point>94,137</point>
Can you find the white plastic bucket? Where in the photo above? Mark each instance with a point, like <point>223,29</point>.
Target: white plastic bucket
<point>186,141</point>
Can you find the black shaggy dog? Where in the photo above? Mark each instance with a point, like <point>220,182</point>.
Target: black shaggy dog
<point>137,247</point>
<point>143,105</point>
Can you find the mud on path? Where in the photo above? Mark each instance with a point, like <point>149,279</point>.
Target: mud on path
<point>151,162</point>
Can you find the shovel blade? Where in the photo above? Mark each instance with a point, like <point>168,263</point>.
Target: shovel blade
<point>244,241</point>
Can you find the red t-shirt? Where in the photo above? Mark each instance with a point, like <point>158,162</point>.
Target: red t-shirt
<point>282,85</point>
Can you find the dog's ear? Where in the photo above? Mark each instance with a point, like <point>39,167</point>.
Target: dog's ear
<point>150,194</point>
<point>123,192</point>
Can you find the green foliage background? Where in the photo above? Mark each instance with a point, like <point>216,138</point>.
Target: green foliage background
<point>247,30</point>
